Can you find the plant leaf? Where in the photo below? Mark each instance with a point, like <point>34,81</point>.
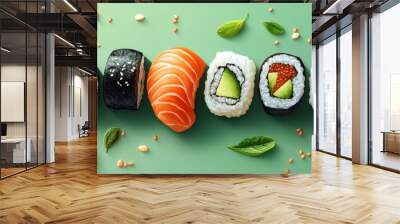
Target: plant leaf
<point>254,146</point>
<point>111,136</point>
<point>274,28</point>
<point>231,28</point>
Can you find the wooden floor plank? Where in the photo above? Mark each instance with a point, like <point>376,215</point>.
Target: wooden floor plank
<point>70,191</point>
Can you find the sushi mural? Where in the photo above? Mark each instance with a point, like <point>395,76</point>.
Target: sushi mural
<point>229,87</point>
<point>183,94</point>
<point>123,79</point>
<point>172,84</point>
<point>281,83</point>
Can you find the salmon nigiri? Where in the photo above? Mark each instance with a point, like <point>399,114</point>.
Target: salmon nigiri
<point>172,84</point>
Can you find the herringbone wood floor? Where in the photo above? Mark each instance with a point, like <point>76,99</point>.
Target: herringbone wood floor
<point>69,191</point>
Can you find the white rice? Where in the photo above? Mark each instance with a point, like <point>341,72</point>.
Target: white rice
<point>298,82</point>
<point>245,71</point>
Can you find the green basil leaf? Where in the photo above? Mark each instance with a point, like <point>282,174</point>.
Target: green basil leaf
<point>111,136</point>
<point>254,146</point>
<point>231,28</point>
<point>274,28</point>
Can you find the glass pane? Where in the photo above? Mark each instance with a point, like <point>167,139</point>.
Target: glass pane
<point>31,88</point>
<point>31,98</point>
<point>327,96</point>
<point>346,94</point>
<point>385,84</point>
<point>13,87</point>
<point>41,98</point>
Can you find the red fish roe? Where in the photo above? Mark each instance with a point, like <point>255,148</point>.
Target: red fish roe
<point>285,72</point>
<point>283,69</point>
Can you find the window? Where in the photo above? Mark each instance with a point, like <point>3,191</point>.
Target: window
<point>385,89</point>
<point>346,92</point>
<point>22,101</point>
<point>327,96</point>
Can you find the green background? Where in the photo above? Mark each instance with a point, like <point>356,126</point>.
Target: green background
<point>202,149</point>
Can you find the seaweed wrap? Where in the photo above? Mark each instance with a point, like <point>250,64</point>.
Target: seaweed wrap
<point>123,80</point>
<point>282,83</point>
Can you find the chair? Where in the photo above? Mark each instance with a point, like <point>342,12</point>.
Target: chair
<point>84,130</point>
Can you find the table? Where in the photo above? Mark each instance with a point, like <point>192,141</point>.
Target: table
<point>18,151</point>
<point>391,141</point>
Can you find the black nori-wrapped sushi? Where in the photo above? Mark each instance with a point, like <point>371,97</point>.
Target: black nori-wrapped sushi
<point>282,83</point>
<point>123,80</point>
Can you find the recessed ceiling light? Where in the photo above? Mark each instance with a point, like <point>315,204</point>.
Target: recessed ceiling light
<point>338,6</point>
<point>70,5</point>
<point>64,40</point>
<point>5,50</point>
<point>84,71</point>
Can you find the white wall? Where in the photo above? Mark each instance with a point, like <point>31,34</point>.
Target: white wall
<point>79,117</point>
<point>33,127</point>
<point>62,81</point>
<point>16,73</point>
<point>70,83</point>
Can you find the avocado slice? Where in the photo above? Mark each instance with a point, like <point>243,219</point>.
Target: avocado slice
<point>285,91</point>
<point>228,86</point>
<point>272,80</point>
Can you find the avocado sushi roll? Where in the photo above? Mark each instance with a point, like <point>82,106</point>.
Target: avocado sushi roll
<point>229,87</point>
<point>123,80</point>
<point>281,83</point>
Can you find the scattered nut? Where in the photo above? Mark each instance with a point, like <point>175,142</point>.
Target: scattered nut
<point>139,17</point>
<point>276,43</point>
<point>299,132</point>
<point>286,173</point>
<point>301,152</point>
<point>143,148</point>
<point>295,30</point>
<point>176,17</point>
<point>155,138</point>
<point>302,156</point>
<point>123,164</point>
<point>175,30</point>
<point>308,154</point>
<point>174,21</point>
<point>120,163</point>
<point>109,20</point>
<point>270,9</point>
<point>309,40</point>
<point>295,36</point>
<point>291,160</point>
<point>98,45</point>
<point>123,133</point>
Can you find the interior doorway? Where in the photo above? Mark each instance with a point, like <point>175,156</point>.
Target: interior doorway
<point>75,104</point>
